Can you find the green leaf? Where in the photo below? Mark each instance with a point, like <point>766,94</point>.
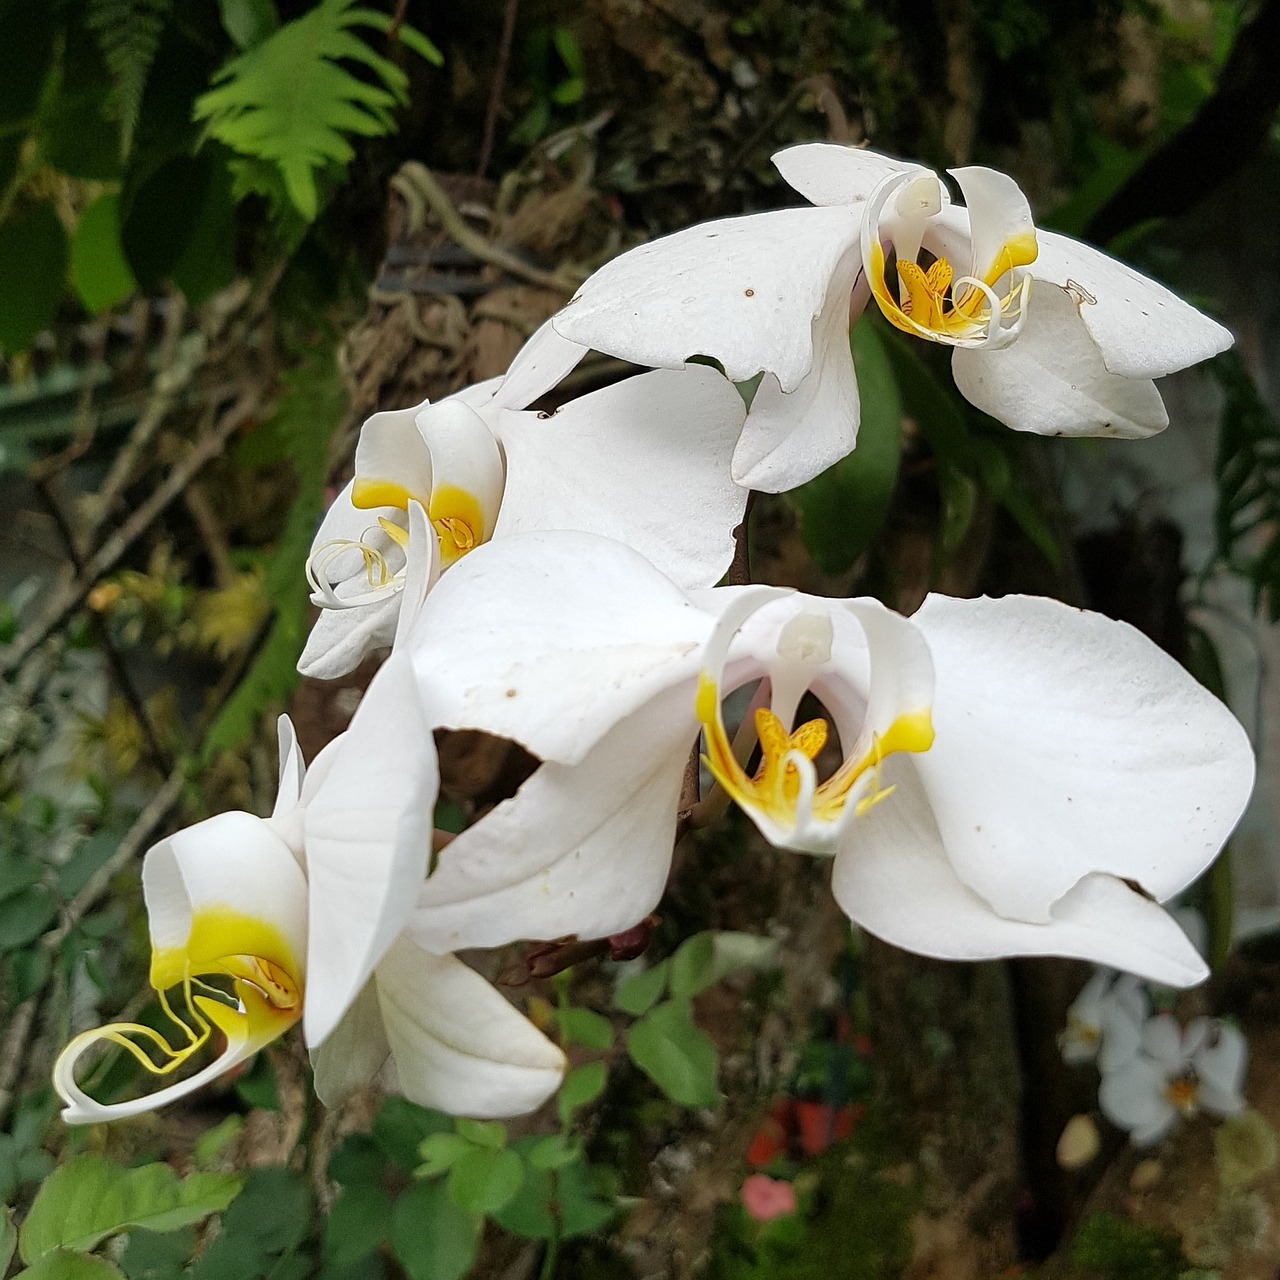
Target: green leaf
<point>642,990</point>
<point>842,510</point>
<point>401,1126</point>
<point>357,1225</point>
<point>691,966</point>
<point>267,1220</point>
<point>584,1027</point>
<point>26,56</point>
<point>33,266</point>
<point>8,1240</point>
<point>431,1236</point>
<point>438,1152</point>
<point>25,916</point>
<point>554,1152</point>
<point>483,1181</point>
<point>571,1192</point>
<point>64,1264</point>
<point>99,272</point>
<point>90,1198</point>
<point>289,100</point>
<point>582,1085</point>
<point>679,1058</point>
<point>150,1255</point>
<point>248,22</point>
<point>213,1142</point>
<point>483,1133</point>
<point>128,33</point>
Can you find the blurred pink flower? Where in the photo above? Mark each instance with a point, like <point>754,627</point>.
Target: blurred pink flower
<point>766,1198</point>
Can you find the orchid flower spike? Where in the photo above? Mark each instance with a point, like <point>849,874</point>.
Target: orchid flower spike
<point>991,777</point>
<point>257,923</point>
<point>645,461</point>
<point>1177,1073</point>
<point>1050,335</point>
<point>1105,1021</point>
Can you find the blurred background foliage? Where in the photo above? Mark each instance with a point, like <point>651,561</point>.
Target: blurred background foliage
<point>230,231</point>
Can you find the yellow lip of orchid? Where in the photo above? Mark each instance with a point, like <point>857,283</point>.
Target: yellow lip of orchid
<point>785,796</point>
<point>227,906</point>
<point>933,302</point>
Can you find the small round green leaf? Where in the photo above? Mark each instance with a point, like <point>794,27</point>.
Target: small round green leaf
<point>33,266</point>
<point>582,1085</point>
<point>99,272</point>
<point>679,1058</point>
<point>483,1181</point>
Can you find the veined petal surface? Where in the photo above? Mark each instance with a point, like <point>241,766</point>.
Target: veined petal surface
<point>645,461</point>
<point>1068,743</point>
<point>458,1045</point>
<point>542,363</point>
<point>353,1053</point>
<point>744,291</point>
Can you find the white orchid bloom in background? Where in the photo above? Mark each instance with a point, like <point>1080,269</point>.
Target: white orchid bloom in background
<point>775,293</point>
<point>1007,764</point>
<point>645,461</point>
<point>1177,1073</point>
<point>1105,1021</point>
<point>256,923</point>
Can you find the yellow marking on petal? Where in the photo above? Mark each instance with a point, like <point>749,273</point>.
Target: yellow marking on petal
<point>393,531</point>
<point>367,493</point>
<point>1021,251</point>
<point>458,520</point>
<point>774,791</point>
<point>1183,1093</point>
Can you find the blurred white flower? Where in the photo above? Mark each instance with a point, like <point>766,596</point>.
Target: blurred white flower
<point>1105,1021</point>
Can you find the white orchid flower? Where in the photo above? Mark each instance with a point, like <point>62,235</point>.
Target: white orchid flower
<point>774,294</point>
<point>1008,766</point>
<point>645,461</point>
<point>1177,1073</point>
<point>256,923</point>
<point>1105,1021</point>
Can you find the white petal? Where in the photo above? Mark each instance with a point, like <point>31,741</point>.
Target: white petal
<point>826,173</point>
<point>1162,1043</point>
<point>353,1053</point>
<point>790,437</point>
<point>292,768</point>
<point>1121,1036</point>
<point>645,461</point>
<point>368,838</point>
<point>1132,1098</point>
<point>341,639</point>
<point>601,632</point>
<point>1142,329</point>
<point>234,863</point>
<point>464,457</point>
<point>542,363</point>
<point>1069,743</point>
<point>744,291</point>
<point>1220,1063</point>
<point>421,571</point>
<point>582,849</point>
<point>1002,233</point>
<point>393,464</point>
<point>893,879</point>
<point>457,1044</point>
<point>1052,380</point>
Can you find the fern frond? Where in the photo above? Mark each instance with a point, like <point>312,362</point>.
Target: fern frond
<point>290,101</point>
<point>128,33</point>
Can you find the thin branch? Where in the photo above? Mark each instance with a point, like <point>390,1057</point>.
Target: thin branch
<point>495,89</point>
<point>416,183</point>
<point>740,567</point>
<point>66,601</point>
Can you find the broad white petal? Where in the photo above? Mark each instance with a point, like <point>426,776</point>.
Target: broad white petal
<point>600,633</point>
<point>580,849</point>
<point>1002,232</point>
<point>202,883</point>
<point>1052,380</point>
<point>790,437</point>
<point>1132,1098</point>
<point>393,464</point>
<point>744,291</point>
<point>542,363</point>
<point>368,838</point>
<point>1121,1036</point>
<point>1142,329</point>
<point>645,461</point>
<point>1069,743</point>
<point>826,173</point>
<point>892,878</point>
<point>1162,1043</point>
<point>353,1053</point>
<point>457,1044</point>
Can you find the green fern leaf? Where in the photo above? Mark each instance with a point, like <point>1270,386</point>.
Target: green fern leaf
<point>128,33</point>
<point>289,100</point>
<point>300,427</point>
